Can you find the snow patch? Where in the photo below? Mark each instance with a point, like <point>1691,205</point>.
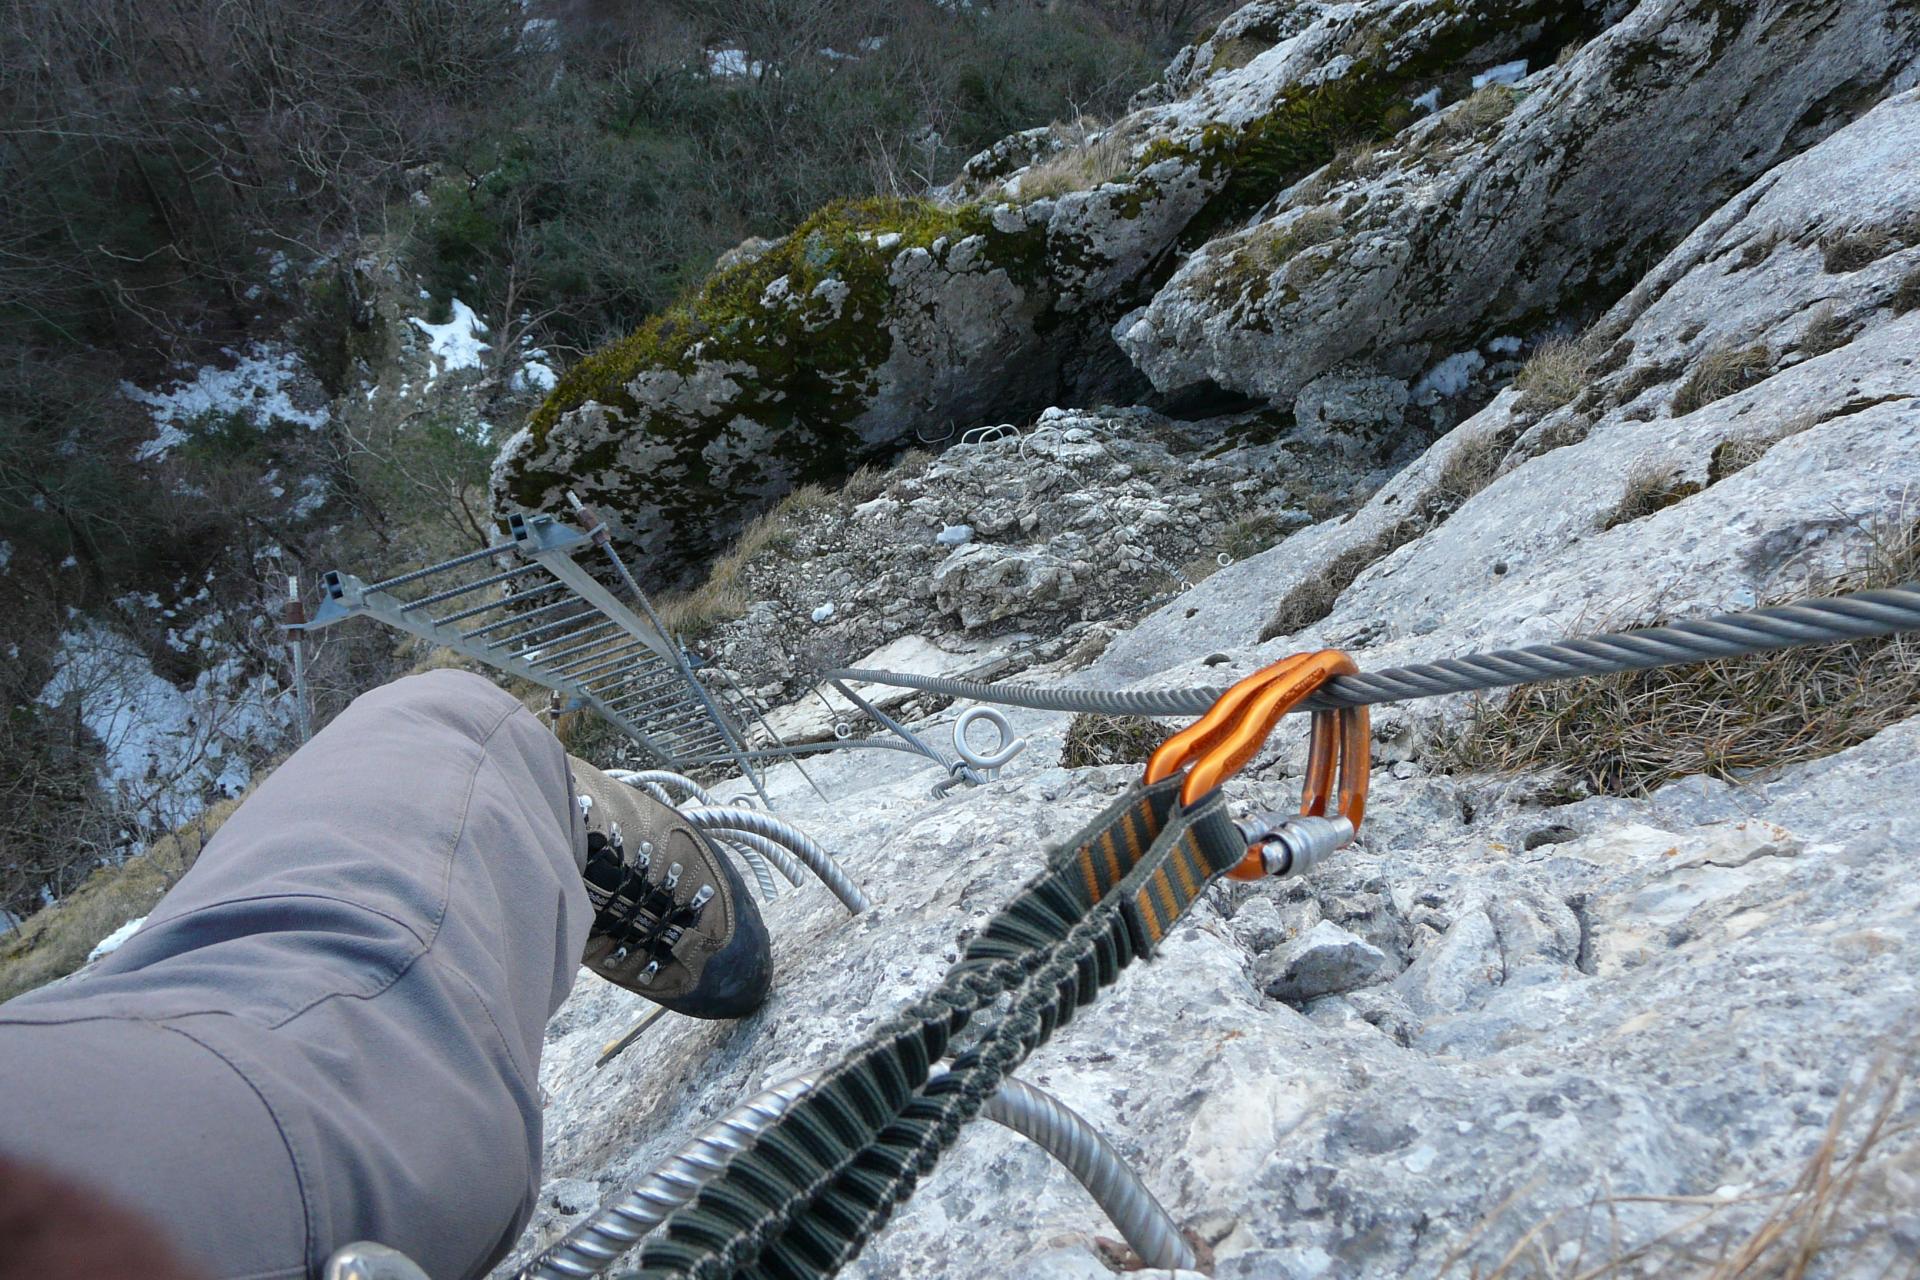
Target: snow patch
<point>113,941</point>
<point>165,749</point>
<point>534,376</point>
<point>255,388</point>
<point>1428,102</point>
<point>732,62</point>
<point>1448,378</point>
<point>455,344</point>
<point>823,613</point>
<point>1505,73</point>
<point>954,535</point>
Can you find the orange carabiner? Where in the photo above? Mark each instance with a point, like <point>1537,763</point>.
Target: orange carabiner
<point>1232,731</point>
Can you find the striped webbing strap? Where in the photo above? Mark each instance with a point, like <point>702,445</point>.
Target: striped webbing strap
<point>806,1195</point>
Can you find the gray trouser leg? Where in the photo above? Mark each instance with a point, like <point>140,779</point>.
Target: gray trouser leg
<point>330,1029</point>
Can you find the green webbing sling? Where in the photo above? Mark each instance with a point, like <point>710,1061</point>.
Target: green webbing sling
<point>807,1194</point>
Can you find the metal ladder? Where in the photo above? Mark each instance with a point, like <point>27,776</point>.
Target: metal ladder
<point>526,606</point>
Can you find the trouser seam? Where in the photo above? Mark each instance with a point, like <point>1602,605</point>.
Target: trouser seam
<point>279,1128</point>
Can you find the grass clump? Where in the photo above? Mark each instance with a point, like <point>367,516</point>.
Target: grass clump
<point>1721,372</point>
<point>1730,457</point>
<point>1274,245</point>
<point>1472,466</point>
<point>1554,374</point>
<point>1861,247</point>
<point>1472,116</point>
<point>1237,51</point>
<point>1095,740</point>
<point>1652,485</point>
<point>1249,535</point>
<point>56,940</point>
<point>724,597</point>
<point>1906,295</point>
<point>1485,107</point>
<point>1730,718</point>
<point>1825,331</point>
<point>1106,158</point>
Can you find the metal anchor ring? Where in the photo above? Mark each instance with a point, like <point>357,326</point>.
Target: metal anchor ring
<point>1004,749</point>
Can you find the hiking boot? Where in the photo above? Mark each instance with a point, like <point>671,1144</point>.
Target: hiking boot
<point>671,916</point>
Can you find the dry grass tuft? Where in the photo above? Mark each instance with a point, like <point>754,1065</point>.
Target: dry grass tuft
<point>1720,373</point>
<point>54,942</point>
<point>1829,1218</point>
<point>1476,113</point>
<point>1651,486</point>
<point>1236,52</point>
<point>1471,467</point>
<point>1554,374</point>
<point>1355,160</point>
<point>1729,719</point>
<point>1571,429</point>
<point>1093,740</point>
<point>1315,598</point>
<point>864,485</point>
<point>1081,167</point>
<point>723,597</point>
<point>1730,457</point>
<point>1825,331</point>
<point>1250,535</point>
<point>1906,295</point>
<point>1864,246</point>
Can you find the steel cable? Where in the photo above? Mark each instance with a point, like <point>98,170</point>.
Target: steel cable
<point>809,851</point>
<point>598,1241</point>
<point>1730,635</point>
<point>773,850</point>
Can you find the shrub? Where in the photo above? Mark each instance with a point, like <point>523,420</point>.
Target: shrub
<point>56,940</point>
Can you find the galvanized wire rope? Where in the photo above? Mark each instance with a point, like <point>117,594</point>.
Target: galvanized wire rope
<point>809,851</point>
<point>775,852</point>
<point>1098,1166</point>
<point>1729,635</point>
<point>665,778</point>
<point>762,873</point>
<point>599,1240</point>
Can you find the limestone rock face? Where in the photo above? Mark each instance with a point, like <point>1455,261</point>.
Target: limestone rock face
<point>1522,199</point>
<point>1600,1026</point>
<point>1075,525</point>
<point>1507,525</point>
<point>877,321</point>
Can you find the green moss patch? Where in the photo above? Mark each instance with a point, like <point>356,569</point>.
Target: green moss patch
<point>820,352</point>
